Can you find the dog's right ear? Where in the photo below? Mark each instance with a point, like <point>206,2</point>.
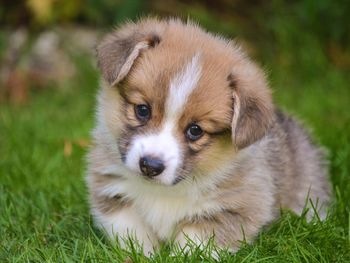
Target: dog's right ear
<point>118,51</point>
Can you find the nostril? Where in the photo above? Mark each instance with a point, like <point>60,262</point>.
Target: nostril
<point>150,166</point>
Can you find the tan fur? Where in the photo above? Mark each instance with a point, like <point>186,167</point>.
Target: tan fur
<point>251,160</point>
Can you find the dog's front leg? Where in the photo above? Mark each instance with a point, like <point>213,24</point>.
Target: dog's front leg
<point>125,223</point>
<point>228,229</point>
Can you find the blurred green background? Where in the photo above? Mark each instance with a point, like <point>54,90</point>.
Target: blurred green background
<point>48,82</point>
<point>304,39</point>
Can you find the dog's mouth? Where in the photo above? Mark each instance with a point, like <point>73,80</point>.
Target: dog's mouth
<point>159,180</point>
<point>178,179</point>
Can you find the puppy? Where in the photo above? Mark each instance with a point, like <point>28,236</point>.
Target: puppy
<point>188,143</point>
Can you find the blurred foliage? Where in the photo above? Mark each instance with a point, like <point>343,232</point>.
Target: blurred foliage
<point>327,19</point>
<point>38,14</point>
<point>279,26</point>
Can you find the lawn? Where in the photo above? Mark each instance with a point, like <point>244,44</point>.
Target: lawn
<point>44,214</point>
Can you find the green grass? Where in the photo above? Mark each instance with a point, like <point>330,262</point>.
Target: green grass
<point>44,215</point>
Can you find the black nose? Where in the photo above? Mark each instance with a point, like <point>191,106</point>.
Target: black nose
<point>151,166</point>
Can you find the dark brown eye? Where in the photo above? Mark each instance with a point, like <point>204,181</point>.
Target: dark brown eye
<point>143,112</point>
<point>194,132</point>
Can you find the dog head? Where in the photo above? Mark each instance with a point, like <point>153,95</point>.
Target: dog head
<point>177,101</point>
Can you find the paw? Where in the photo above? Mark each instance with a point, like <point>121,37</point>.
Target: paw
<point>126,226</point>
<point>189,236</point>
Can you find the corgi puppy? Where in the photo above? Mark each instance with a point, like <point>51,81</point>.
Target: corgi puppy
<point>188,143</point>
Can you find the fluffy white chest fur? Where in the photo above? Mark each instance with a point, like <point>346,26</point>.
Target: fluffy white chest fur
<point>161,207</point>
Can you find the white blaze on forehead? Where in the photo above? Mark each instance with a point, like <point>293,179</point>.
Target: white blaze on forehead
<point>181,88</point>
<point>163,144</point>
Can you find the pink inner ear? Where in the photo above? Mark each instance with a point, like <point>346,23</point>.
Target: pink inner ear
<point>236,110</point>
<point>254,116</point>
<point>130,61</point>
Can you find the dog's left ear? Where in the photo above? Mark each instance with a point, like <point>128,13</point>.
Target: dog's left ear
<point>119,50</point>
<point>253,111</point>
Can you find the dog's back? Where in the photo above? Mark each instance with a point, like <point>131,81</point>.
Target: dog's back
<point>303,166</point>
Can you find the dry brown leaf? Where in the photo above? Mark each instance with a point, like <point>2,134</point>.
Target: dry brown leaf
<point>83,143</point>
<point>17,87</point>
<point>67,148</point>
<point>128,260</point>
